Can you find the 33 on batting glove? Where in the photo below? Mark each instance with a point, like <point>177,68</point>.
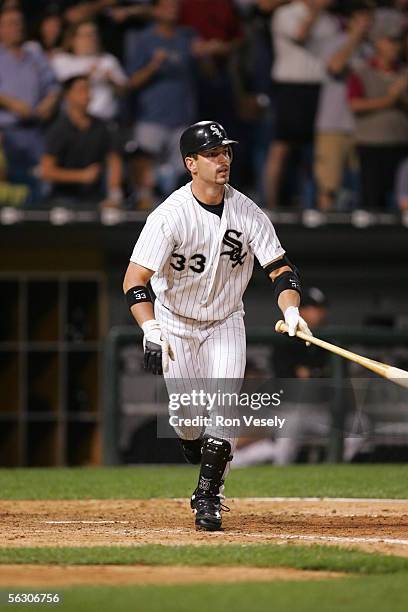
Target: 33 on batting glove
<point>157,350</point>
<point>295,322</point>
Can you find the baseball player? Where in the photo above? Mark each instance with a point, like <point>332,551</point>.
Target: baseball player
<point>197,250</point>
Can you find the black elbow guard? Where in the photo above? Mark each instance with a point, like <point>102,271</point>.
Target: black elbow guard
<point>287,280</point>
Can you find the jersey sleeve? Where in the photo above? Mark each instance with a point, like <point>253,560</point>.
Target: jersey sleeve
<point>154,245</point>
<point>263,240</point>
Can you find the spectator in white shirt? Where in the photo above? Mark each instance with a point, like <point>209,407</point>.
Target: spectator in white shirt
<point>83,56</point>
<point>300,31</point>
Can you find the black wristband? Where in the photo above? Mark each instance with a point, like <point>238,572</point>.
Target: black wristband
<point>137,295</point>
<point>286,280</point>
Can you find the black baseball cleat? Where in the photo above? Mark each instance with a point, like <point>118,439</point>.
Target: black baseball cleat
<point>206,501</point>
<point>207,509</point>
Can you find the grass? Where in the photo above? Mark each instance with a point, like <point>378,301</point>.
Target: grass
<point>368,594</point>
<point>255,555</point>
<point>143,482</point>
<point>376,583</point>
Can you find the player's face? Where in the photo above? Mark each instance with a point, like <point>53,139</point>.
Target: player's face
<point>214,165</point>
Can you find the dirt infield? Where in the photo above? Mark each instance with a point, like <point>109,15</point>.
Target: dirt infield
<point>367,524</point>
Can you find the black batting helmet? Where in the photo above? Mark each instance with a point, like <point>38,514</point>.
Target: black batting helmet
<point>202,136</point>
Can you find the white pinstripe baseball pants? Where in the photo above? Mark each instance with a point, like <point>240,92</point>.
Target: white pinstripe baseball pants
<point>209,356</point>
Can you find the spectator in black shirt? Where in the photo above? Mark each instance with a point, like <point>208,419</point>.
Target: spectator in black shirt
<point>80,161</point>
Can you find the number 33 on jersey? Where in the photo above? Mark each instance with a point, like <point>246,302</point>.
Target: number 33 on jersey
<point>203,263</point>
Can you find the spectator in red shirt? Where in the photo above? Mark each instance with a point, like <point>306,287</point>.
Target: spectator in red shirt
<point>216,20</point>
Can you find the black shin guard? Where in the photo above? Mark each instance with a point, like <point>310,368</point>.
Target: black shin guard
<point>192,450</point>
<point>215,455</point>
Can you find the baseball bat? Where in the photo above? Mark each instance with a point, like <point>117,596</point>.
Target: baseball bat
<point>396,375</point>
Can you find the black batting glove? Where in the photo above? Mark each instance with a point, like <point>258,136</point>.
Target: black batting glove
<point>157,350</point>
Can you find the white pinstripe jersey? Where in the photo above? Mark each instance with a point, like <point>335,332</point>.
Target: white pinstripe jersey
<point>203,263</point>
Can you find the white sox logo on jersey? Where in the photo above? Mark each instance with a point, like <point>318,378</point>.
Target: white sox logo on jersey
<point>235,254</point>
<point>216,130</point>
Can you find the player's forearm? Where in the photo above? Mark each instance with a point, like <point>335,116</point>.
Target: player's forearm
<point>142,312</point>
<point>286,283</point>
<point>288,298</point>
<point>137,277</point>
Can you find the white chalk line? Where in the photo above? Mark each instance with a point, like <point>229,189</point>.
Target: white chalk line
<point>85,522</point>
<point>268,536</point>
<point>310,538</point>
<point>287,536</point>
<point>360,500</point>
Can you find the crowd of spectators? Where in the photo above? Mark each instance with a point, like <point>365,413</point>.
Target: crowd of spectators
<point>94,95</point>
